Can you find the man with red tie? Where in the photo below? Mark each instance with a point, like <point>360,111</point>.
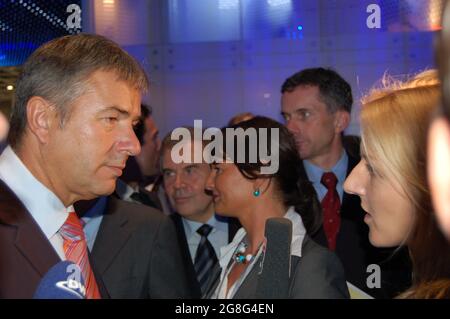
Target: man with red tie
<point>316,104</point>
<point>77,100</point>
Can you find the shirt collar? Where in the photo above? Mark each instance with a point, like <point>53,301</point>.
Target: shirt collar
<point>124,190</point>
<point>226,252</point>
<point>298,231</point>
<point>97,210</point>
<point>44,206</point>
<point>298,234</point>
<point>315,172</point>
<point>191,226</point>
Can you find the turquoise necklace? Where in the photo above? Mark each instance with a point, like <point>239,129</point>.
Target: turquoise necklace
<point>240,257</point>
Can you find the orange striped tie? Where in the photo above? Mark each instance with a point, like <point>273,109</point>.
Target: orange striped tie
<point>75,249</point>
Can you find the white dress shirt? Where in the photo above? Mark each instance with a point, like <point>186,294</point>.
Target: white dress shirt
<point>46,209</point>
<point>227,253</point>
<point>315,173</point>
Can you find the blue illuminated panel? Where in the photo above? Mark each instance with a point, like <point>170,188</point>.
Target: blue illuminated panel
<point>26,24</point>
<point>234,20</point>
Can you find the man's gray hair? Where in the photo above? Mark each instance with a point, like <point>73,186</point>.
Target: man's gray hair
<point>57,71</point>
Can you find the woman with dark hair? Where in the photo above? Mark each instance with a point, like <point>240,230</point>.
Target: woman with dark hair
<point>243,189</point>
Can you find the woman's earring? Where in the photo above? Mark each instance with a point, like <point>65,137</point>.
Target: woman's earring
<point>256,193</point>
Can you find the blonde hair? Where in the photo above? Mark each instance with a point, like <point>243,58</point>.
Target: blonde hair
<point>241,117</point>
<point>394,123</point>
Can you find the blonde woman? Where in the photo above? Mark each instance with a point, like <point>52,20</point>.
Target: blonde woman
<point>391,180</point>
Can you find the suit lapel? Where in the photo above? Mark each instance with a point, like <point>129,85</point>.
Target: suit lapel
<point>182,237</point>
<point>350,202</point>
<point>233,227</point>
<point>182,241</point>
<point>35,247</point>
<point>112,236</point>
<point>99,279</point>
<point>213,281</point>
<point>30,240</point>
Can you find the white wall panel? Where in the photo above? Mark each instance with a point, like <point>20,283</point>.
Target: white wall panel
<point>201,68</point>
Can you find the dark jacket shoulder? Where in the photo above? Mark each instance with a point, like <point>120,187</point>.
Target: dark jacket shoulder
<point>318,273</point>
<point>137,253</point>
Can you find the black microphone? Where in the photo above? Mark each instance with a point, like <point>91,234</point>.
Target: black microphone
<point>273,283</point>
<point>62,281</point>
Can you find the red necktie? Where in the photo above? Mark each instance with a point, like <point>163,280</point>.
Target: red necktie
<point>75,249</point>
<point>331,205</point>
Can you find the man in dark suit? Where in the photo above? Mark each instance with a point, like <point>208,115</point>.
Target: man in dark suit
<point>141,177</point>
<point>185,185</point>
<point>316,104</point>
<point>76,103</point>
<point>134,250</point>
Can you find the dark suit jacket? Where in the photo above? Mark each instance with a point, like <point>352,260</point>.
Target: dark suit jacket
<point>25,253</point>
<point>233,227</point>
<point>137,255</point>
<point>142,196</point>
<point>318,274</point>
<point>353,246</point>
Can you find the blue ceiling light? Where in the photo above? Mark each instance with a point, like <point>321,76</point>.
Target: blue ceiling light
<point>300,28</point>
<point>25,25</point>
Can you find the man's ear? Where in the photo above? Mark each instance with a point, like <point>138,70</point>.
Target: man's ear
<point>341,121</point>
<point>40,117</point>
